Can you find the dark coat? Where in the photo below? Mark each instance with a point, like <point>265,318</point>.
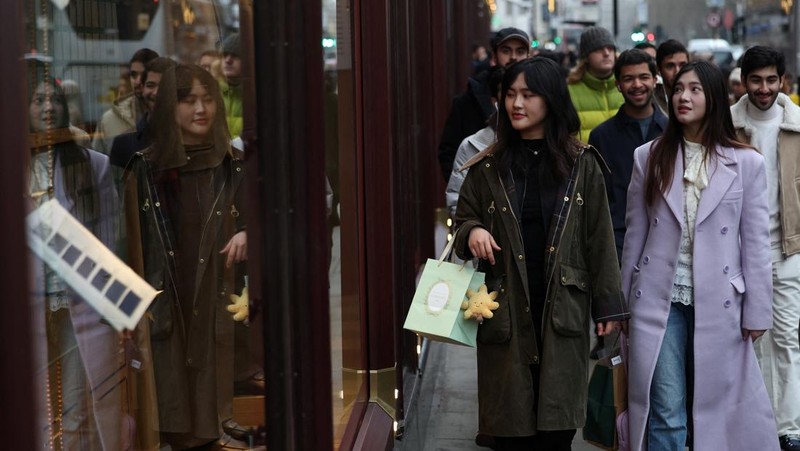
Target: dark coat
<point>616,139</point>
<point>582,278</point>
<point>192,339</point>
<point>468,114</point>
<point>126,145</point>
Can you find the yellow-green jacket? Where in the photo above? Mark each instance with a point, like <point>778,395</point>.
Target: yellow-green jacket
<point>595,100</point>
<point>232,96</point>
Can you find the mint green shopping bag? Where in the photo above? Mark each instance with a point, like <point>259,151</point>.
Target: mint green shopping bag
<point>435,311</point>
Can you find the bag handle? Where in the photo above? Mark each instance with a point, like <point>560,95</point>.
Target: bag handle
<point>447,249</point>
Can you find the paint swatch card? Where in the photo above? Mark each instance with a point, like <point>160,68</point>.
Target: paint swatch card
<point>88,266</point>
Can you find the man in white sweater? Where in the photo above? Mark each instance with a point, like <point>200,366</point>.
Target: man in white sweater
<point>768,120</point>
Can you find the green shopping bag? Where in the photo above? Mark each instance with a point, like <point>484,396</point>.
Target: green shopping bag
<point>435,311</point>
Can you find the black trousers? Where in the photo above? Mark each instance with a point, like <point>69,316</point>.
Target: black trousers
<point>542,441</point>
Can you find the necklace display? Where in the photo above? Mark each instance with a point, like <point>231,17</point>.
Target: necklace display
<point>39,191</point>
<point>55,422</point>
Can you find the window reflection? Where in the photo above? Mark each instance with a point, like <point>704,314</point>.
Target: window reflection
<point>347,353</point>
<point>134,139</point>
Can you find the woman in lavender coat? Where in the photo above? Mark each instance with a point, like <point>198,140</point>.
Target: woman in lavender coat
<point>697,276</point>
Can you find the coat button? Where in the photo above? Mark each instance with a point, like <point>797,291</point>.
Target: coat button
<point>171,253</point>
<point>566,198</point>
<point>655,221</point>
<point>158,204</point>
<point>646,259</point>
<point>583,284</point>
<point>727,303</point>
<point>638,293</point>
<point>564,279</point>
<point>726,268</point>
<point>527,309</point>
<point>520,257</point>
<point>724,230</point>
<point>552,248</point>
<point>219,213</point>
<point>535,359</point>
<point>189,361</point>
<point>504,208</point>
<point>202,260</point>
<point>488,165</point>
<point>238,169</point>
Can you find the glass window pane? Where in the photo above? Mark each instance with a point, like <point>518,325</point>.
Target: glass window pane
<point>135,108</point>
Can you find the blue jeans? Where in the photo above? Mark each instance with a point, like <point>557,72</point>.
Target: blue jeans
<point>670,391</point>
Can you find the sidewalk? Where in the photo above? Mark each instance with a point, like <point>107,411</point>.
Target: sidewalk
<point>446,417</point>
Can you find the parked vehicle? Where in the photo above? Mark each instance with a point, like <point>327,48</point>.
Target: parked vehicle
<point>718,51</point>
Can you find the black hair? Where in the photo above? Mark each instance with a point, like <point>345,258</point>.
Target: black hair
<point>716,129</point>
<point>495,80</point>
<point>645,45</point>
<point>143,56</point>
<point>634,57</point>
<point>158,65</point>
<point>73,160</point>
<point>543,77</point>
<point>176,84</point>
<point>669,48</point>
<point>760,56</point>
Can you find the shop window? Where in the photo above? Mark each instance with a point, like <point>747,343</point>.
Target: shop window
<point>138,144</point>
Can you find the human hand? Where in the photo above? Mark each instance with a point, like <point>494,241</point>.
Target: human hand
<point>236,249</point>
<point>608,327</point>
<point>482,244</point>
<point>752,334</point>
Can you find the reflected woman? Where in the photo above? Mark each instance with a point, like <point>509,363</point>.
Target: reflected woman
<point>184,209</point>
<point>697,273</point>
<point>78,354</point>
<point>533,208</point>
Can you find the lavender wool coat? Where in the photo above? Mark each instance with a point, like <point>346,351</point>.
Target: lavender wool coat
<point>733,289</point>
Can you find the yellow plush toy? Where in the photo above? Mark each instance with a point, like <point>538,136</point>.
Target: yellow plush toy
<point>240,306</point>
<point>481,302</point>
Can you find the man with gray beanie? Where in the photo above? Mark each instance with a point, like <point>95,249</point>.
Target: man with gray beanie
<point>592,85</point>
<point>232,87</point>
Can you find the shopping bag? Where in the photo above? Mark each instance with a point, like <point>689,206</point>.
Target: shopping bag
<point>606,406</point>
<point>435,310</point>
<point>621,396</point>
<point>601,415</point>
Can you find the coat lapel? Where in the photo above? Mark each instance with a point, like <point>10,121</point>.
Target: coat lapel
<point>720,177</point>
<point>674,196</point>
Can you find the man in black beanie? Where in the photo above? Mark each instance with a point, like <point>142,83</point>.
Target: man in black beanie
<point>592,85</point>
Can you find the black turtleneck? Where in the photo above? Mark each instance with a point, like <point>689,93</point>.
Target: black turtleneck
<point>536,191</point>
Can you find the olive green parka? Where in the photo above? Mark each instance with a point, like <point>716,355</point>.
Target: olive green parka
<point>582,277</point>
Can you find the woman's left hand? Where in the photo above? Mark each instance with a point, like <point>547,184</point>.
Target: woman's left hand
<point>236,249</point>
<point>608,327</point>
<point>752,334</point>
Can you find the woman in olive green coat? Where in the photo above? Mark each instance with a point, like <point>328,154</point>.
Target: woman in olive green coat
<point>533,208</point>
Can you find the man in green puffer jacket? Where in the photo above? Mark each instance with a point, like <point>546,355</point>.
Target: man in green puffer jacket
<point>591,83</point>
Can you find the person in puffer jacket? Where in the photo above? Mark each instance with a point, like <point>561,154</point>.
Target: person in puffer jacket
<point>592,85</point>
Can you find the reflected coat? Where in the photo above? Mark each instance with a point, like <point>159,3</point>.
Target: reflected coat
<point>193,361</point>
<point>583,283</point>
<point>732,290</point>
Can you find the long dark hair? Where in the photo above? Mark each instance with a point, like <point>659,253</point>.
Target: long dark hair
<point>72,160</point>
<point>716,129</point>
<point>543,77</point>
<point>176,84</point>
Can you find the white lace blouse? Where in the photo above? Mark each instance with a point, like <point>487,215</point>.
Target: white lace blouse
<point>695,179</point>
